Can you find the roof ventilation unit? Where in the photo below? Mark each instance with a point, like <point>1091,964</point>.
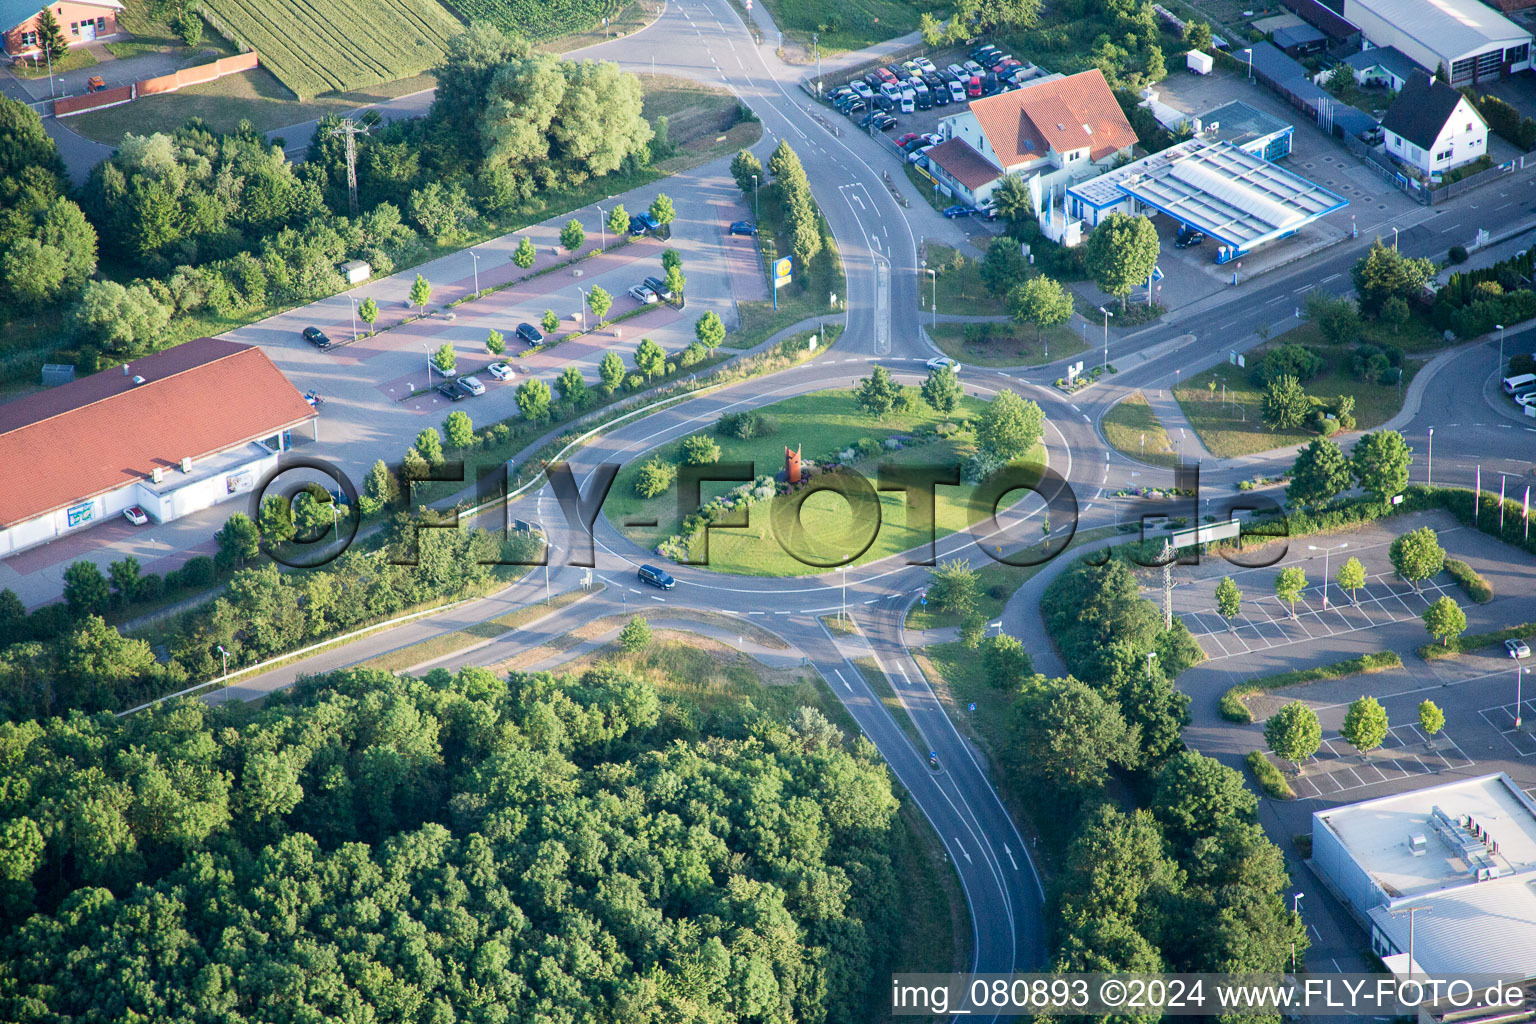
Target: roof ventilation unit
<point>1418,844</point>
<point>158,474</point>
<point>186,464</point>
<point>137,380</point>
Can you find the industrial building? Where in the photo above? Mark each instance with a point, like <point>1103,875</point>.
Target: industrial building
<point>1462,854</point>
<point>173,433</point>
<point>1471,40</point>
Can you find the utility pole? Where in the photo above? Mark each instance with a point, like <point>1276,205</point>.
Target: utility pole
<point>351,129</point>
<point>1167,583</point>
<point>1410,911</point>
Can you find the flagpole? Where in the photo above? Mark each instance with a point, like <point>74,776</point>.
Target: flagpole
<point>1477,493</point>
<point>1501,505</point>
<point>1527,511</point>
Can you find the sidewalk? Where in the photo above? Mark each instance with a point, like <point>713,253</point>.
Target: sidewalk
<point>1181,433</point>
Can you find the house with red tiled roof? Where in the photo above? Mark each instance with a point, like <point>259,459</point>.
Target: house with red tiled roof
<point>174,433</point>
<point>1060,130</point>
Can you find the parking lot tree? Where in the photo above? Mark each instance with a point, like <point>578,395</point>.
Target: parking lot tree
<point>635,635</point>
<point>650,359</point>
<point>954,587</point>
<point>572,236</point>
<point>709,329</point>
<point>600,302</point>
<point>876,394</point>
<point>1337,318</point>
<point>1380,462</point>
<point>655,478</point>
<point>700,450</point>
<point>1351,577</point>
<point>1009,427</point>
<point>1431,718</point>
<point>671,258</point>
<point>1229,599</point>
<point>495,342</point>
<point>662,209</point>
<point>429,443</point>
<point>618,221</point>
<point>573,388</point>
<point>1384,272</point>
<point>1198,35</point>
<point>1040,301</point>
<point>1003,266</point>
<point>368,311</point>
<point>444,359</point>
<point>1005,661</point>
<point>1417,555</point>
<point>421,293</point>
<point>942,390</point>
<point>550,321</point>
<point>1285,404</point>
<point>1365,724</point>
<point>1121,253</point>
<point>1288,586</point>
<point>276,519</point>
<point>533,399</point>
<point>1319,474</point>
<point>239,541</point>
<point>1293,733</point>
<point>524,255</point>
<point>676,282</point>
<point>744,166</point>
<point>459,429</point>
<point>611,371</point>
<point>380,487</point>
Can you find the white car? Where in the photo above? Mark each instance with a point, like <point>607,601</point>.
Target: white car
<point>862,88</point>
<point>643,295</point>
<point>135,515</point>
<point>957,69</point>
<point>502,371</point>
<point>939,362</point>
<point>917,154</point>
<point>926,65</point>
<point>1517,648</point>
<point>1526,397</point>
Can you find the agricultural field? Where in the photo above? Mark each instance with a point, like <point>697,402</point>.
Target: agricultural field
<point>319,46</point>
<point>538,20</point>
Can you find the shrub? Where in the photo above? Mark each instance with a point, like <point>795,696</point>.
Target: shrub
<point>1232,705</point>
<point>1269,778</point>
<point>1288,360</point>
<point>198,571</point>
<point>1458,254</point>
<point>1471,581</point>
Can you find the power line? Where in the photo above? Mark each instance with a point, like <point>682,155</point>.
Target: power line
<point>351,129</point>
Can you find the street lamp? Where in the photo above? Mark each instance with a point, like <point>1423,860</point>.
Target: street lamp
<point>602,226</point>
<point>1430,459</point>
<point>1500,367</point>
<point>476,257</point>
<point>1107,315</point>
<point>583,306</point>
<point>1326,552</point>
<point>816,43</point>
<point>1518,700</point>
<point>754,199</point>
<point>935,275</point>
<point>1394,238</point>
<point>1296,910</point>
<point>225,654</point>
<point>428,351</point>
<point>1249,52</point>
<point>353,299</point>
<point>843,571</point>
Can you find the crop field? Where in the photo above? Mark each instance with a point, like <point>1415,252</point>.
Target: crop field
<point>319,46</point>
<point>538,20</point>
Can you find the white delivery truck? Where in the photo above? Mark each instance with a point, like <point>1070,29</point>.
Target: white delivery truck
<point>1198,62</point>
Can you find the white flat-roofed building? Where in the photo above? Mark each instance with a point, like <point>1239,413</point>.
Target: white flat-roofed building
<point>1474,42</point>
<point>1465,852</point>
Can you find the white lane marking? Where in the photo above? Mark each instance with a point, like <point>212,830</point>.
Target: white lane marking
<point>1330,277</point>
<point>1010,857</point>
<point>842,680</point>
<point>964,850</point>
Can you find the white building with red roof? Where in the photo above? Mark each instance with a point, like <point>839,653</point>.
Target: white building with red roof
<point>173,433</point>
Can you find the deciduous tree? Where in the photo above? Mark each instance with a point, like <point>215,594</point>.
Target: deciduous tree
<point>600,302</point>
<point>459,430</point>
<point>1365,724</point>
<point>533,398</point>
<point>524,255</point>
<point>611,371</point>
<point>876,394</point>
<point>1288,586</point>
<point>1009,426</point>
<point>942,390</point>
<point>421,293</point>
<point>1120,253</point>
<point>1229,599</point>
<point>700,450</point>
<point>709,329</point>
<point>1380,463</point>
<point>1431,718</point>
<point>650,359</point>
<point>1417,556</point>
<point>1445,620</point>
<point>1351,577</point>
<point>1293,733</point>
<point>1320,474</point>
<point>1040,301</point>
<point>635,635</point>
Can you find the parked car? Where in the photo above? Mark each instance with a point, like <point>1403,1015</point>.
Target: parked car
<point>659,286</point>
<point>972,68</point>
<point>941,95</point>
<point>136,515</point>
<point>918,153</point>
<point>1517,648</point>
<point>884,75</point>
<point>902,140</point>
<point>958,70</point>
<point>316,337</point>
<point>851,105</point>
<point>915,142</point>
<point>891,91</point>
<point>643,295</point>
<point>450,390</point>
<point>926,65</point>
<point>474,385</point>
<point>912,67</point>
<point>832,96</point>
<point>869,119</point>
<point>973,86</point>
<point>991,85</point>
<point>898,74</point>
<point>746,227</point>
<point>956,92</point>
<point>501,371</point>
<point>960,210</point>
<point>1187,238</point>
<point>861,87</point>
<point>908,101</point>
<point>939,362</point>
<point>923,97</point>
<point>978,52</point>
<point>883,122</point>
<point>656,577</point>
<point>874,80</point>
<point>1526,398</point>
<point>530,334</point>
<point>641,224</point>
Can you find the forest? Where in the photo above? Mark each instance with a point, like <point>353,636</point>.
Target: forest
<point>367,847</point>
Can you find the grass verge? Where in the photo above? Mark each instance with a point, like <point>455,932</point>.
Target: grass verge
<point>1004,344</point>
<point>1269,778</point>
<point>1234,707</point>
<point>960,287</point>
<point>1476,641</point>
<point>881,687</point>
<point>1470,580</point>
<point>1133,429</point>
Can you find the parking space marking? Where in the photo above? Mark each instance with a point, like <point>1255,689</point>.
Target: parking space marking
<point>1501,718</point>
<point>1400,759</point>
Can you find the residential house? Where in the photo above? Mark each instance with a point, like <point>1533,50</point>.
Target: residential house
<point>1432,127</point>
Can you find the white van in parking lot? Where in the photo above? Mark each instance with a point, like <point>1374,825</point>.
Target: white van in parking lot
<point>1519,382</point>
<point>908,101</point>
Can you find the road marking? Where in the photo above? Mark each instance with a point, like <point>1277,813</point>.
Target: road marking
<point>1010,857</point>
<point>1330,277</point>
<point>842,680</point>
<point>964,851</point>
<point>661,599</point>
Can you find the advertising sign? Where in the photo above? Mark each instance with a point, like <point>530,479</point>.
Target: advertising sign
<point>781,269</point>
<point>241,481</point>
<point>81,513</point>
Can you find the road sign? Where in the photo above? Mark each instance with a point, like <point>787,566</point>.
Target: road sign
<point>1206,534</point>
<point>1236,358</point>
<point>1157,273</point>
<point>1074,369</point>
<point>971,706</point>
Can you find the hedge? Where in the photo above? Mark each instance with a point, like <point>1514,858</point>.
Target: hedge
<point>1234,710</point>
<point>1269,778</point>
<point>1471,581</point>
<point>1474,641</point>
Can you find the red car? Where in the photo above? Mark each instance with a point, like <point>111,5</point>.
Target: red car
<point>907,138</point>
<point>973,86</point>
<point>885,74</point>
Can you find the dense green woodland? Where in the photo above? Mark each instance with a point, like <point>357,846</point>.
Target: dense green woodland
<point>366,847</point>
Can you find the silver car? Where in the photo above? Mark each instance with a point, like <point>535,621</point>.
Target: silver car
<point>643,295</point>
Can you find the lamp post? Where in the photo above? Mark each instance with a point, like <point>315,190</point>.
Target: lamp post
<point>476,257</point>
<point>843,571</point>
<point>1429,461</point>
<point>1410,911</point>
<point>602,226</point>
<point>1107,315</point>
<point>1394,238</point>
<point>754,199</point>
<point>935,275</point>
<point>1518,700</point>
<point>1500,367</point>
<point>816,43</point>
<point>353,299</point>
<point>1326,551</point>
<point>428,351</point>
<point>225,655</point>
<point>1296,910</point>
<point>1249,52</point>
<point>583,306</point>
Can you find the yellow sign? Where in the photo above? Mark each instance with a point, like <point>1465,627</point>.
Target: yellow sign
<point>781,267</point>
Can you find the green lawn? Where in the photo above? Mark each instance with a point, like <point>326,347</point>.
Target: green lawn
<point>148,34</point>
<point>821,422</point>
<point>1134,429</point>
<point>849,26</point>
<point>630,18</point>
<point>960,290</point>
<point>1233,427</point>
<point>78,57</point>
<point>1006,344</point>
<point>253,96</point>
<point>805,296</point>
